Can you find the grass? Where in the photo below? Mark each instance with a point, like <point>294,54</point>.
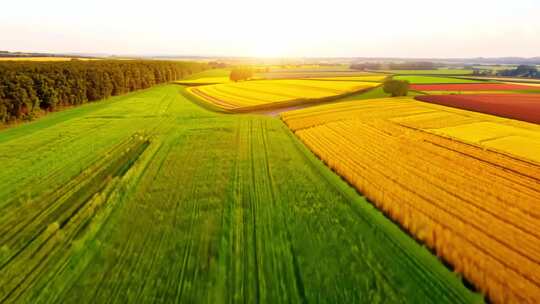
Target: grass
<point>415,79</point>
<point>374,93</point>
<point>204,81</point>
<point>214,73</point>
<point>148,197</point>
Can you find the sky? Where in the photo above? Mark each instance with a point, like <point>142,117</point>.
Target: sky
<point>275,28</point>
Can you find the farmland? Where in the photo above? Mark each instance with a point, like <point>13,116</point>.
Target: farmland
<point>416,79</point>
<point>472,87</point>
<point>203,81</point>
<point>503,79</point>
<point>432,169</point>
<point>313,73</point>
<point>263,94</point>
<point>45,59</point>
<point>147,197</point>
<point>180,194</point>
<point>524,107</point>
<point>429,72</point>
<point>269,152</point>
<point>469,92</point>
<point>375,78</point>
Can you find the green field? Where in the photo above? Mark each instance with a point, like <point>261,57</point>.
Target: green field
<point>377,92</point>
<point>293,74</point>
<point>416,79</point>
<point>209,74</point>
<point>149,198</point>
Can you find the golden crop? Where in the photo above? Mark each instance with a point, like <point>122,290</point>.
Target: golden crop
<point>264,93</point>
<point>466,184</point>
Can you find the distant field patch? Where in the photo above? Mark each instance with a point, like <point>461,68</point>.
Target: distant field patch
<point>313,74</point>
<point>214,73</point>
<point>532,84</point>
<point>309,68</point>
<point>494,67</point>
<point>414,79</point>
<point>204,80</point>
<point>504,79</point>
<point>468,92</point>
<point>261,94</point>
<point>44,59</point>
<point>429,72</point>
<point>376,78</point>
<point>524,107</point>
<point>472,87</point>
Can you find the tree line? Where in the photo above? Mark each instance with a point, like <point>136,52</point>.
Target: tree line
<point>526,71</point>
<point>26,88</point>
<point>529,71</point>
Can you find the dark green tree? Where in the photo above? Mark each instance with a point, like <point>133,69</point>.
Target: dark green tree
<point>29,87</point>
<point>396,87</point>
<point>238,74</point>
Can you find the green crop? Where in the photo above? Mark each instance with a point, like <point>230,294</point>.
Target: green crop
<point>149,198</point>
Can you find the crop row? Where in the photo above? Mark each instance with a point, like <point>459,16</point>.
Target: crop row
<point>31,236</point>
<point>263,93</point>
<point>439,189</point>
<point>224,208</point>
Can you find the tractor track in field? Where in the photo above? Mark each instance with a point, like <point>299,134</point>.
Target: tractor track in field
<point>268,172</point>
<point>79,198</point>
<point>228,208</point>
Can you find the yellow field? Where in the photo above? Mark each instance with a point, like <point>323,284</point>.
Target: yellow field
<point>260,94</point>
<point>204,80</point>
<point>467,184</point>
<point>43,58</point>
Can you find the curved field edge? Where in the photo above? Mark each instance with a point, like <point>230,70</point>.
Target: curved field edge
<point>213,103</point>
<point>275,210</point>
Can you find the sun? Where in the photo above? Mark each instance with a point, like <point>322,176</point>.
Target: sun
<point>268,49</point>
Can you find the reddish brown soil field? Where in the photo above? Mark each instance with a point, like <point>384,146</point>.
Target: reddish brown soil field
<point>472,87</point>
<point>524,107</point>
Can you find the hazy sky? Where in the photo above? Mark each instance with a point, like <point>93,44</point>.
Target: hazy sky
<point>412,28</point>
